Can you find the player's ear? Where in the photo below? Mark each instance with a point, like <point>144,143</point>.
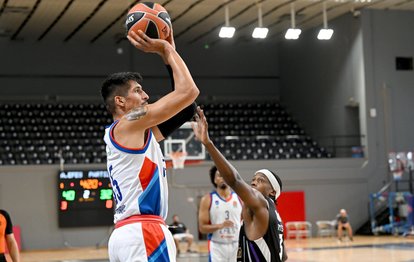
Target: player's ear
<point>119,101</point>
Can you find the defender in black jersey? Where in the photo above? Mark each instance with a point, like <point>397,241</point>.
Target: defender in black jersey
<point>261,235</point>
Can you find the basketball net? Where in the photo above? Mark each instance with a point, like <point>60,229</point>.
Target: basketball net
<point>178,159</point>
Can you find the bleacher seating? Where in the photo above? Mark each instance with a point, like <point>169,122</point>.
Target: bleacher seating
<point>259,131</point>
<point>43,133</point>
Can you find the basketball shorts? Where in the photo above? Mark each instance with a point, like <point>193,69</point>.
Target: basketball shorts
<point>220,252</point>
<point>141,238</point>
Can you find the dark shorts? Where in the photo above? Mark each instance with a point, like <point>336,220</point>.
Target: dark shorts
<point>2,258</point>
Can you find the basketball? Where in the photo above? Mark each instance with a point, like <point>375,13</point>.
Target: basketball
<point>151,18</point>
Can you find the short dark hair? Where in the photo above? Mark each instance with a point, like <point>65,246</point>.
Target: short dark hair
<point>213,171</point>
<point>117,85</point>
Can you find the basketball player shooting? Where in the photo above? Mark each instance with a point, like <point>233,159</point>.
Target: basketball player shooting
<point>134,159</point>
<point>261,235</point>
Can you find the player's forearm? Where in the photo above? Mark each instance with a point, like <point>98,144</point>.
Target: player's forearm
<point>183,81</point>
<point>14,252</point>
<point>227,170</point>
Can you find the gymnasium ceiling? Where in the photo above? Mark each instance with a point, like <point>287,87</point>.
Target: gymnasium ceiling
<point>194,21</point>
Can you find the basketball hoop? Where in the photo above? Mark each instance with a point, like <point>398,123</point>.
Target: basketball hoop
<point>178,159</point>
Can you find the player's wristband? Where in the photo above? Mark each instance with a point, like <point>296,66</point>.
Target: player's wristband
<point>166,128</point>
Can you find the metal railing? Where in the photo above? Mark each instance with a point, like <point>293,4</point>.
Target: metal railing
<point>343,145</point>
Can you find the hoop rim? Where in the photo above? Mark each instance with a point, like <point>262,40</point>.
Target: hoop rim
<point>177,154</point>
<point>178,159</point>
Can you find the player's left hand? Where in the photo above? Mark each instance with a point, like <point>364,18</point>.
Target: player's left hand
<point>170,38</point>
<point>200,127</point>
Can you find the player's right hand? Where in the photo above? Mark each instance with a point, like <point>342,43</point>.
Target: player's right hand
<point>149,45</point>
<point>228,223</point>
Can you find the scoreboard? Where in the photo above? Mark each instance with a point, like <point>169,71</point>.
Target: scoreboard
<point>85,198</point>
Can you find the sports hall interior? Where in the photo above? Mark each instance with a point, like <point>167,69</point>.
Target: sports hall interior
<point>300,108</point>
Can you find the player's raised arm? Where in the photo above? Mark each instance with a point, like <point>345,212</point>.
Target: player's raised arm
<point>166,128</point>
<point>251,197</point>
<point>185,91</point>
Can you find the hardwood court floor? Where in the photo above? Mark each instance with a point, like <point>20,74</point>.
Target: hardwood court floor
<point>363,248</point>
<point>367,248</point>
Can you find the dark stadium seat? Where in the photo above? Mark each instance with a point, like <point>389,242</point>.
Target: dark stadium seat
<point>39,133</point>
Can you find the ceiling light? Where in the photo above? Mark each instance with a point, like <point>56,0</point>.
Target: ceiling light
<point>227,31</point>
<point>292,33</point>
<point>325,33</point>
<point>260,31</point>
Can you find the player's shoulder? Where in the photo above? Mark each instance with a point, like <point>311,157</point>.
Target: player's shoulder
<point>258,194</point>
<point>206,198</point>
<point>127,124</point>
<point>207,195</point>
<point>260,197</point>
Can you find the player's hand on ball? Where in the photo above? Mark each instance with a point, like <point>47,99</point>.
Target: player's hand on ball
<point>170,38</point>
<point>147,44</point>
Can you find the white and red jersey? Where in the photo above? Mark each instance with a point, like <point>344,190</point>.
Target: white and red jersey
<point>138,177</point>
<point>225,209</point>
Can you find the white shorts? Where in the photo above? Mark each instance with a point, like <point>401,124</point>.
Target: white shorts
<point>141,241</point>
<point>220,252</point>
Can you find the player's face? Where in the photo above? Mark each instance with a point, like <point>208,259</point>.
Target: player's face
<point>261,184</point>
<point>219,180</point>
<point>136,96</point>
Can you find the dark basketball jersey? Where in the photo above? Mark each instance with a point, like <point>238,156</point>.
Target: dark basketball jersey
<point>268,248</point>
